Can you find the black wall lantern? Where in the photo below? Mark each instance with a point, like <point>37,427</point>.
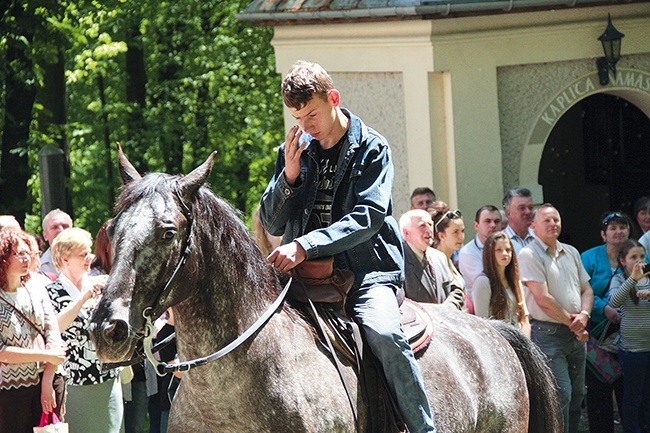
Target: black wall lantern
<point>611,40</point>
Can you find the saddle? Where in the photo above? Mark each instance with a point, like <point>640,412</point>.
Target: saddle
<point>345,337</point>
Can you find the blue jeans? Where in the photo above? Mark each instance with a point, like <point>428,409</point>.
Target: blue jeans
<point>636,394</point>
<point>567,357</point>
<point>376,309</point>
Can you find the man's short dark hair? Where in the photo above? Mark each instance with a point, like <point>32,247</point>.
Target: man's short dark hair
<point>304,81</point>
<point>515,192</point>
<point>423,190</point>
<point>487,207</point>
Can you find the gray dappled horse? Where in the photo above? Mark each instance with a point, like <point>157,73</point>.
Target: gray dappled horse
<point>281,380</point>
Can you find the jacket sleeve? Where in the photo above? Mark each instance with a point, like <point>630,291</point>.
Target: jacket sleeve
<point>372,176</point>
<point>280,199</point>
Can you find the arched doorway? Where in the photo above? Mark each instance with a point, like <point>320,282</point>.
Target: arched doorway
<point>596,158</point>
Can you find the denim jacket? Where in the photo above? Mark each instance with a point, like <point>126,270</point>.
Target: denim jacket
<point>364,237</point>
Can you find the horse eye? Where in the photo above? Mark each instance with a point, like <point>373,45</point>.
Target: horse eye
<point>169,234</point>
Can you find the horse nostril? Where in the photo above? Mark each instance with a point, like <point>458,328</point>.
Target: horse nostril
<point>116,330</point>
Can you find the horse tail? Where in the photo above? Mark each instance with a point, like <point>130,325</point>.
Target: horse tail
<point>545,414</point>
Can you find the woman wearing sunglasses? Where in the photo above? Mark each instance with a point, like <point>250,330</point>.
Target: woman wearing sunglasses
<point>449,234</point>
<point>601,263</point>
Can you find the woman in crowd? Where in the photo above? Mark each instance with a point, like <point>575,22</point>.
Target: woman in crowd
<point>30,343</point>
<point>90,390</point>
<point>497,292</point>
<point>630,291</point>
<point>449,234</point>
<point>601,263</point>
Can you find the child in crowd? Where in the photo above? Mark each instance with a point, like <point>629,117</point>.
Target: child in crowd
<point>630,291</point>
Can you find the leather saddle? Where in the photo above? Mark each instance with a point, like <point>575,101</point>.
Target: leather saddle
<point>344,335</point>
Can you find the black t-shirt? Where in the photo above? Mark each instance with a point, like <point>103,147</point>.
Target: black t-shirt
<point>321,213</point>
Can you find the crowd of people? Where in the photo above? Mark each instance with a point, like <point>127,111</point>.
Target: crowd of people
<point>330,196</point>
<point>47,358</point>
<point>516,270</point>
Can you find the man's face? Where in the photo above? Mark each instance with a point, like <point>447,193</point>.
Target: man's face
<point>489,222</point>
<point>318,116</point>
<point>520,211</point>
<point>55,225</point>
<point>547,225</point>
<point>422,201</point>
<point>419,233</point>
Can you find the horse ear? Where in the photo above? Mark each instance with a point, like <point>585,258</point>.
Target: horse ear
<point>192,182</point>
<point>128,173</point>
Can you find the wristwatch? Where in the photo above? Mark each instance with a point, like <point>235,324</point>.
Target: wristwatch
<point>586,313</point>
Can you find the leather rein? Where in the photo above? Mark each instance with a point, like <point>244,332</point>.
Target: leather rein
<point>154,311</point>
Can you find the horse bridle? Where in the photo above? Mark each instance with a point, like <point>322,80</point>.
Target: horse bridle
<point>157,308</point>
<point>151,313</point>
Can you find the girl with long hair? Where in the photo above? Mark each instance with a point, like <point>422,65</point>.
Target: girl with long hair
<point>497,292</point>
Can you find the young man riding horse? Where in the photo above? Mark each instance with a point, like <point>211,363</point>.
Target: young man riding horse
<point>331,196</point>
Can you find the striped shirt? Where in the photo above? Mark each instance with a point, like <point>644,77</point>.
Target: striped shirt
<point>635,318</point>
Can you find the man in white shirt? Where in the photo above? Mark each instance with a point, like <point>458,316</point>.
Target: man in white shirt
<point>54,223</point>
<point>518,204</point>
<point>470,260</point>
<point>559,299</point>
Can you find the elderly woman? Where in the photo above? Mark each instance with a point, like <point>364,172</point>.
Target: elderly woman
<point>90,390</point>
<point>601,263</point>
<point>30,343</point>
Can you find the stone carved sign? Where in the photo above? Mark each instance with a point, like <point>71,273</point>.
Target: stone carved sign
<point>630,79</point>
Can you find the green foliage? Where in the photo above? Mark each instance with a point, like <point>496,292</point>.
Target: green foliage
<point>210,85</point>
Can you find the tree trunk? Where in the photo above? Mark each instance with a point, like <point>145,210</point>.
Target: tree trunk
<point>136,96</point>
<point>54,116</point>
<point>20,95</point>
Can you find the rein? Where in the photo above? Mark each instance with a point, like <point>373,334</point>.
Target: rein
<point>162,367</point>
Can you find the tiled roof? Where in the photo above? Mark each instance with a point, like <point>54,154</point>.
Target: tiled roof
<point>278,12</point>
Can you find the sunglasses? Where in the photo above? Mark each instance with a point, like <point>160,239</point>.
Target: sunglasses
<point>613,216</point>
<point>452,214</point>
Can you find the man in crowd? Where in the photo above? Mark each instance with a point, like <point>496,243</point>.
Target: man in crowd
<point>9,221</point>
<point>518,204</point>
<point>422,198</point>
<point>559,299</point>
<point>54,223</point>
<point>427,275</point>
<point>324,206</point>
<point>470,259</point>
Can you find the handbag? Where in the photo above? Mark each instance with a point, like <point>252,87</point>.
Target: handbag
<point>601,349</point>
<point>321,281</point>
<point>50,423</point>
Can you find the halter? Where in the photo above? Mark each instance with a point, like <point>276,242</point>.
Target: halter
<point>156,309</point>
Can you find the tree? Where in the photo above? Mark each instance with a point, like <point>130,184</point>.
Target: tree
<point>172,81</point>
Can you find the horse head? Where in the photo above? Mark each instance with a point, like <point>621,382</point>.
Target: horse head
<point>151,238</point>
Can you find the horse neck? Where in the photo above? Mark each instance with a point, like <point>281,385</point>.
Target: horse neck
<point>229,295</point>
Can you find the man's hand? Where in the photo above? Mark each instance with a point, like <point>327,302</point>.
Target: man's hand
<point>292,152</point>
<point>578,323</point>
<point>287,257</point>
<point>582,336</point>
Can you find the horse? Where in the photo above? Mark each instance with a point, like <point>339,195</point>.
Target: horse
<point>173,235</point>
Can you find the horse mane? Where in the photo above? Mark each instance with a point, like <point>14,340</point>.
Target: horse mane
<point>222,247</point>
